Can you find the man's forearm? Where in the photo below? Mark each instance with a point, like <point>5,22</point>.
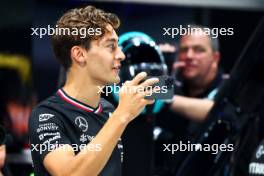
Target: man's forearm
<point>107,138</point>
<point>193,108</point>
<point>92,162</point>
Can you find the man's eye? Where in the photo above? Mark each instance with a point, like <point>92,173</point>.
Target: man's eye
<point>112,47</point>
<point>199,50</point>
<point>183,50</point>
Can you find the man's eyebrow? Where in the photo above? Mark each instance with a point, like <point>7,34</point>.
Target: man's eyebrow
<point>112,40</point>
<point>184,47</point>
<point>191,46</point>
<point>198,46</point>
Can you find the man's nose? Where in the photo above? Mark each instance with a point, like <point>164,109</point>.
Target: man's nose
<point>120,55</point>
<point>189,54</point>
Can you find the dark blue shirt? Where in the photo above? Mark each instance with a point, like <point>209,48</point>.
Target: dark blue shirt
<point>60,120</point>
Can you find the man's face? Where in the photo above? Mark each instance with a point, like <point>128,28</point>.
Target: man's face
<point>196,52</point>
<point>104,58</point>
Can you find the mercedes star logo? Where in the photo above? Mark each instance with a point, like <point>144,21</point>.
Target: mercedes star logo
<point>81,123</point>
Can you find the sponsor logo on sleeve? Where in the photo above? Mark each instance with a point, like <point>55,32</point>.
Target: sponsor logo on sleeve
<point>42,136</point>
<point>52,138</point>
<point>45,117</point>
<point>47,127</point>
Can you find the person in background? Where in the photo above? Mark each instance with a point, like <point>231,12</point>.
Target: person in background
<point>197,67</point>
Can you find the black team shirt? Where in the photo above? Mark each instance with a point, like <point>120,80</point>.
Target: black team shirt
<point>60,120</point>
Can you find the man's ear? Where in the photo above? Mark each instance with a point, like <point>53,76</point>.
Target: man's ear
<point>217,56</point>
<point>216,59</point>
<point>78,55</point>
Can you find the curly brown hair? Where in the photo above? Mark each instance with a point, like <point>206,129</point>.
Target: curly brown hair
<point>87,17</point>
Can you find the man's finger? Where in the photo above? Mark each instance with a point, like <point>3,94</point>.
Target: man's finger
<point>138,78</point>
<point>149,82</point>
<point>178,65</point>
<point>148,102</point>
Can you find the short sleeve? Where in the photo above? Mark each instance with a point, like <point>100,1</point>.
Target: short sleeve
<point>46,132</point>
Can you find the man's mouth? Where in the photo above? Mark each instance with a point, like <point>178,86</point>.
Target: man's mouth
<point>117,68</point>
<point>189,65</point>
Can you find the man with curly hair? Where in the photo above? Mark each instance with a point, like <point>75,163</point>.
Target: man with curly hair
<point>75,131</point>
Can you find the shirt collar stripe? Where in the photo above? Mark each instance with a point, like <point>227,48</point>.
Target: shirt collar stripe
<point>83,107</point>
<point>99,109</point>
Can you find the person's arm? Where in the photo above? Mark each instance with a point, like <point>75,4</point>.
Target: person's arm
<point>193,108</point>
<point>91,162</point>
<point>2,157</point>
<point>60,162</point>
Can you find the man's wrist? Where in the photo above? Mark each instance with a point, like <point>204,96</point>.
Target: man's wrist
<point>123,117</point>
